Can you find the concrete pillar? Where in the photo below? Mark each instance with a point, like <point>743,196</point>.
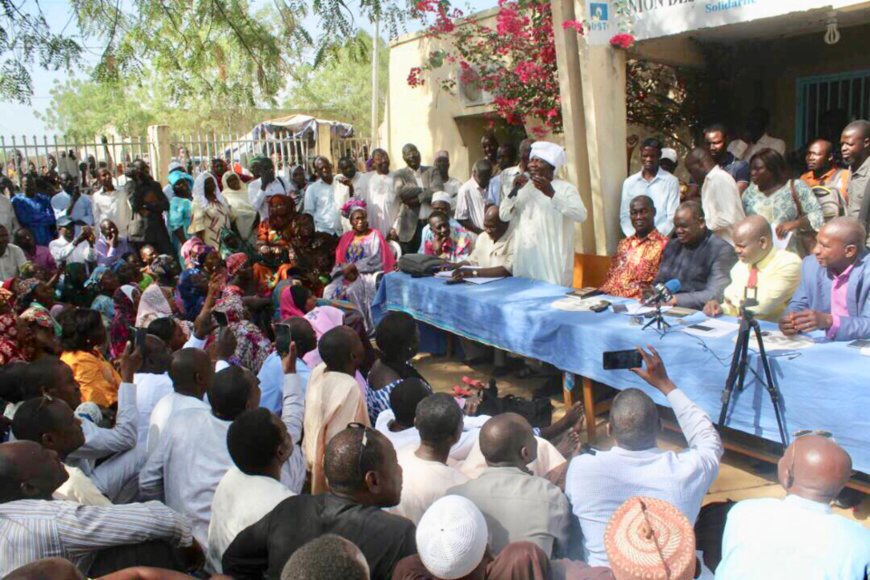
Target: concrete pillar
<point>159,151</point>
<point>323,146</point>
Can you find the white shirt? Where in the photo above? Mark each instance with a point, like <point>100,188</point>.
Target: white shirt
<point>452,186</point>
<point>723,208</point>
<point>381,202</point>
<point>11,260</point>
<point>598,484</point>
<point>240,501</point>
<point>742,150</point>
<point>187,465</point>
<point>164,410</point>
<point>400,439</point>
<point>8,219</point>
<point>773,539</point>
<point>112,206</point>
<point>548,459</point>
<point>322,203</point>
<point>423,482</point>
<point>664,189</point>
<point>150,389</point>
<point>471,203</point>
<point>507,180</point>
<point>259,196</point>
<point>490,254</point>
<point>79,488</point>
<point>64,251</point>
<point>544,235</point>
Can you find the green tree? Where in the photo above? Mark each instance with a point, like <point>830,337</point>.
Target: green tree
<point>341,87</point>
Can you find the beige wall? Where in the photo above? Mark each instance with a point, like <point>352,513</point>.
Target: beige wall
<point>428,116</point>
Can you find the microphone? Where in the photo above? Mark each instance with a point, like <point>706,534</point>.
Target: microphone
<point>664,292</point>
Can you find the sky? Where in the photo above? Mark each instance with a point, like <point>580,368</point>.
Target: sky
<point>20,119</point>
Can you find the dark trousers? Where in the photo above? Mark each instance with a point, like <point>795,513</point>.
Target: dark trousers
<point>413,246</point>
<point>154,554</point>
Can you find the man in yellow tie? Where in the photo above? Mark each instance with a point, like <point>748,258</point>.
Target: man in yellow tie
<point>774,274</point>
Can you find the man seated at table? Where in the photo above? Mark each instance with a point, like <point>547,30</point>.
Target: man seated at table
<point>772,273</point>
<point>637,258</point>
<point>768,537</point>
<point>596,485</point>
<point>834,293</point>
<point>493,254</point>
<point>697,258</point>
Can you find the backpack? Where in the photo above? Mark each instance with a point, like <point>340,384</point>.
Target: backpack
<point>538,412</point>
<point>421,265</point>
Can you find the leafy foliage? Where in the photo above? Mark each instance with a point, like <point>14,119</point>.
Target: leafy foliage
<point>662,98</point>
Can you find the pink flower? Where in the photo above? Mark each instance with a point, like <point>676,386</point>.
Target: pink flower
<point>415,78</point>
<point>623,41</point>
<point>576,25</point>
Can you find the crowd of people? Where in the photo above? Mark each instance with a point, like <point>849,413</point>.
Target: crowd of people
<point>150,420</point>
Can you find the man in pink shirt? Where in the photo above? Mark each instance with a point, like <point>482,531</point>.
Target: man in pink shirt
<point>834,293</point>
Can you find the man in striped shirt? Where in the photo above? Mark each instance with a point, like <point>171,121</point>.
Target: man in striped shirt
<point>32,526</point>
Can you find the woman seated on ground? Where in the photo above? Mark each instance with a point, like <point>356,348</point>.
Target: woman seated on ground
<point>10,347</point>
<point>315,253</point>
<point>398,340</point>
<point>83,337</point>
<point>211,213</point>
<point>299,301</point>
<point>71,286</point>
<point>362,257</point>
<point>275,236</point>
<point>252,345</point>
<point>244,215</point>
<point>126,299</point>
<point>447,243</point>
<point>102,283</point>
<point>36,335</point>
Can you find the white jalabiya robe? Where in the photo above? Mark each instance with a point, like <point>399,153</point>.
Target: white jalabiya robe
<point>544,235</point>
<point>381,202</point>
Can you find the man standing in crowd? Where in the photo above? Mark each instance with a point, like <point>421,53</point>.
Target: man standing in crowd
<point>855,147</point>
<point>545,210</point>
<point>149,204</point>
<point>11,256</point>
<point>451,184</point>
<point>830,183</point>
<point>720,197</point>
<point>636,263</point>
<point>489,144</point>
<point>109,203</point>
<point>320,199</point>
<point>265,186</point>
<point>757,137</point>
<point>697,258</point>
<point>768,538</point>
<point>34,211</point>
<point>508,176</point>
<point>654,182</point>
<point>598,484</point>
<point>507,156</point>
<point>380,195</point>
<point>769,274</point>
<point>474,197</point>
<point>414,186</point>
<point>716,139</point>
<point>834,291</point>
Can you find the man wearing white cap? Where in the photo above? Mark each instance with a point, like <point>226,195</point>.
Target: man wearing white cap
<point>441,202</point>
<point>544,210</point>
<point>653,181</point>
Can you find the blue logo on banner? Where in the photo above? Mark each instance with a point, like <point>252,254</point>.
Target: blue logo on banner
<point>598,11</point>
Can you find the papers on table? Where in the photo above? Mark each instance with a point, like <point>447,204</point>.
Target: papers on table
<point>635,308</point>
<point>712,328</point>
<point>776,340</point>
<point>447,274</point>
<point>577,304</point>
<point>781,243</point>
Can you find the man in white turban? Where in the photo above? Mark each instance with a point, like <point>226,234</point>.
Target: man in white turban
<point>544,210</point>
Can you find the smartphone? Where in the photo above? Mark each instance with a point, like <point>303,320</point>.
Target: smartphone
<point>139,340</point>
<point>622,359</point>
<point>587,292</point>
<point>220,318</point>
<point>283,338</point>
<point>860,343</point>
<point>620,308</point>
<point>701,327</point>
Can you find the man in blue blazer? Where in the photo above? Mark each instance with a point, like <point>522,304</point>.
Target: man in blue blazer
<point>834,293</point>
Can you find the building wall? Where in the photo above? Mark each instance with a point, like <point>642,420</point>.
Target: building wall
<point>428,116</point>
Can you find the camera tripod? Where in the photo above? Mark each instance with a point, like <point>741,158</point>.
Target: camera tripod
<point>737,374</point>
<point>658,319</point>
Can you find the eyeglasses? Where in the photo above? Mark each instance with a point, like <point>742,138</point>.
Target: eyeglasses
<point>362,448</point>
<point>797,435</point>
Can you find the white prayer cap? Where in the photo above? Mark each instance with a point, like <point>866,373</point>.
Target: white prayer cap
<point>173,165</point>
<point>668,153</point>
<point>442,153</point>
<point>452,537</point>
<point>441,196</point>
<point>549,152</point>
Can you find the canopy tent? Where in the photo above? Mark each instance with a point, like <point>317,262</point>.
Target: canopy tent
<point>299,127</point>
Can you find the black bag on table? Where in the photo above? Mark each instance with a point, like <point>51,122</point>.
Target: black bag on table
<point>421,265</point>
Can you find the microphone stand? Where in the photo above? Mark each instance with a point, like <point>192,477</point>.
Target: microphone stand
<point>737,374</point>
<point>658,319</point>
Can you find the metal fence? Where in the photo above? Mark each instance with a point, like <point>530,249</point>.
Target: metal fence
<point>25,154</point>
<point>357,148</point>
<point>284,150</point>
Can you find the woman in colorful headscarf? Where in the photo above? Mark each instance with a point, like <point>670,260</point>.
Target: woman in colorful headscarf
<point>362,257</point>
<point>165,270</point>
<point>126,299</point>
<point>243,213</point>
<point>36,335</point>
<point>315,253</point>
<point>211,213</point>
<point>180,207</point>
<point>103,282</point>
<point>299,301</point>
<point>252,346</point>
<point>275,236</point>
<point>155,302</point>
<point>10,350</point>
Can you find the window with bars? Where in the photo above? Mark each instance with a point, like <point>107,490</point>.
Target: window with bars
<point>820,94</point>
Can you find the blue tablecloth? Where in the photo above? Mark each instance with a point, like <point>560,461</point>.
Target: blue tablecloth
<point>826,386</point>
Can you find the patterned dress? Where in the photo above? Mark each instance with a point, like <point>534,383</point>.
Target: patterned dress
<point>457,248</point>
<point>635,264</point>
<point>779,207</point>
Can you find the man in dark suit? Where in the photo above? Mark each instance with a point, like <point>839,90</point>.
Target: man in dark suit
<point>415,185</point>
<point>834,293</point>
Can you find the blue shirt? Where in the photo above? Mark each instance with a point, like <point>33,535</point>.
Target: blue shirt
<point>272,382</point>
<point>664,189</point>
<point>493,191</point>
<point>774,539</point>
<point>36,214</point>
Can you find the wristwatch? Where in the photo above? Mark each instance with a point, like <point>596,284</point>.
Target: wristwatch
<point>474,274</point>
